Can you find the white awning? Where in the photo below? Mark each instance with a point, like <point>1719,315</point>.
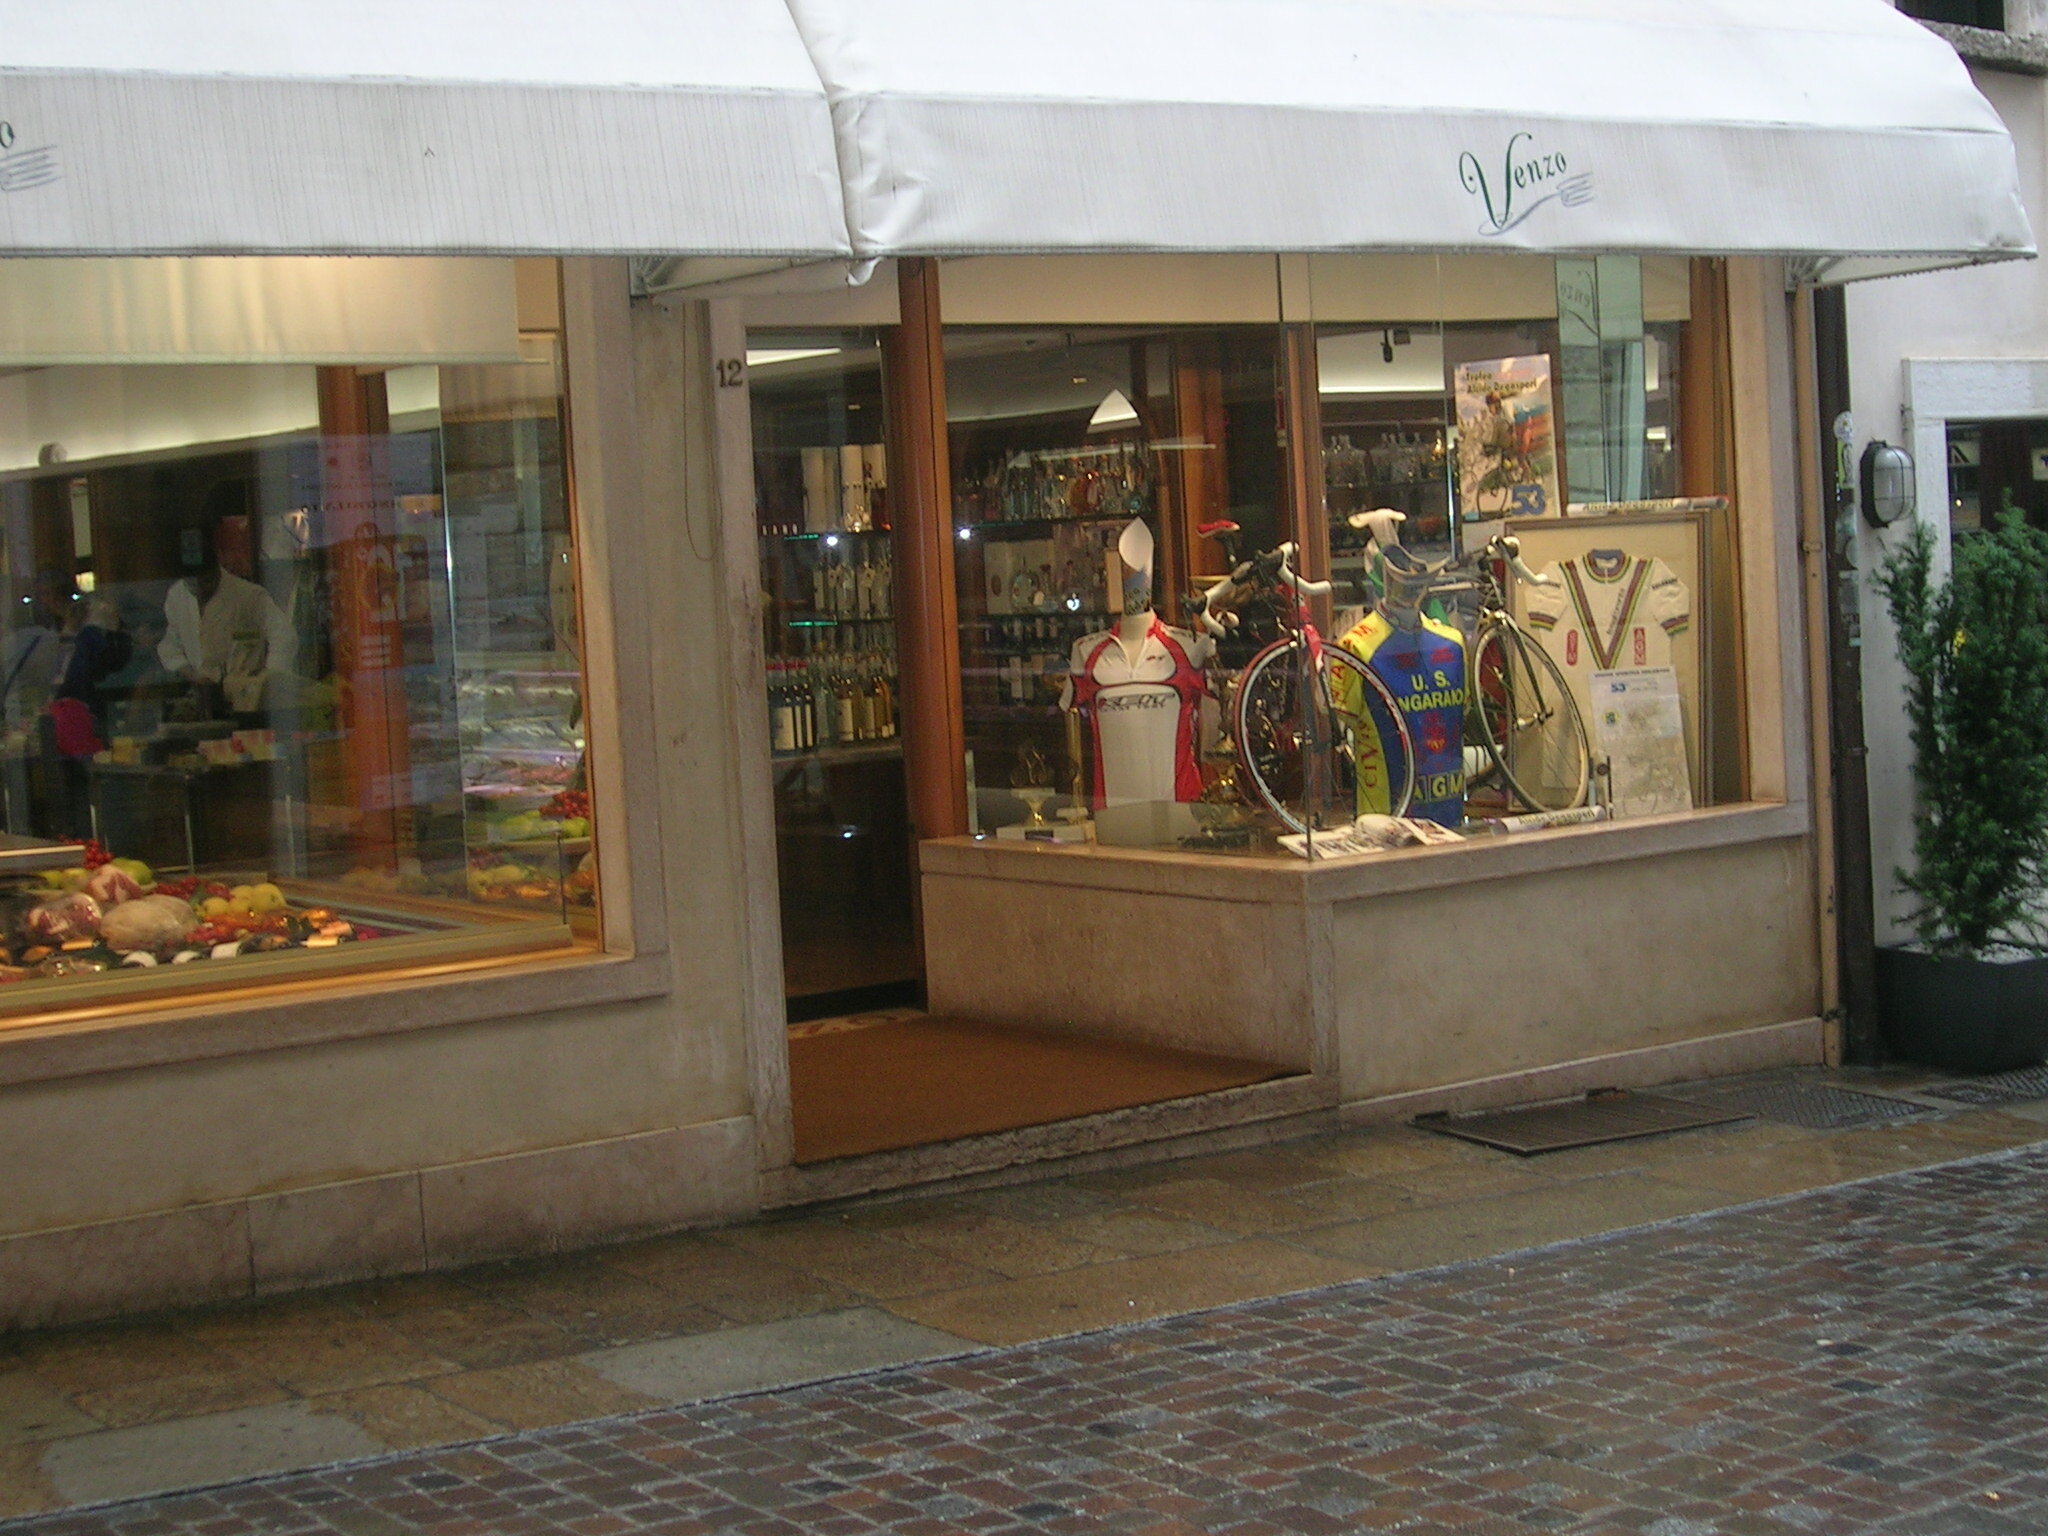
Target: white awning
<point>499,126</point>
<point>1831,129</point>
<point>1822,128</point>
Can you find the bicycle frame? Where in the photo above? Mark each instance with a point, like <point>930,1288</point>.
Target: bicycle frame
<point>1476,571</point>
<point>1271,578</point>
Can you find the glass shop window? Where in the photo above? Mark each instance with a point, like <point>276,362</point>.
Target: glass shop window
<point>842,829</point>
<point>1085,464</point>
<point>1534,591</point>
<point>1993,465</point>
<point>1530,619</point>
<point>290,669</point>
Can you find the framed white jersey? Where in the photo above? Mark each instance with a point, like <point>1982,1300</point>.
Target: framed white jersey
<point>1609,609</point>
<point>1631,590</point>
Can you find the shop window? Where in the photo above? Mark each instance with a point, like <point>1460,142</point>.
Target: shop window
<point>1993,465</point>
<point>1085,463</point>
<point>1989,14</point>
<point>1537,400</point>
<point>1398,417</point>
<point>292,673</point>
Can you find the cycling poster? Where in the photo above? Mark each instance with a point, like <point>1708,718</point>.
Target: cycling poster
<point>1507,455</point>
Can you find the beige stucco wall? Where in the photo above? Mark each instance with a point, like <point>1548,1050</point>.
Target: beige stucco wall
<point>119,1144</point>
<point>1406,973</point>
<point>1991,312</point>
<point>1473,981</point>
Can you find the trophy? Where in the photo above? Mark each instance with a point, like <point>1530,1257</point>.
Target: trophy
<point>1032,783</point>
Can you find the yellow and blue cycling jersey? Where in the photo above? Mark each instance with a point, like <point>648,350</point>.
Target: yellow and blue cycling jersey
<point>1424,669</point>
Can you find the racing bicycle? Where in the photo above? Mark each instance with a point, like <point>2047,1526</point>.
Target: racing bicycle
<point>1304,757</point>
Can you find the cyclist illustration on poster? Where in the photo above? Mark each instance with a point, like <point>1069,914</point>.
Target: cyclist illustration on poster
<point>1507,458</point>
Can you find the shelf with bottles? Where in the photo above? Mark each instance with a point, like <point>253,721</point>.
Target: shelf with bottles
<point>833,591</point>
<point>1027,634</point>
<point>1102,481</point>
<point>822,489</point>
<point>1402,464</point>
<point>1068,572</point>
<point>831,700</point>
<point>1030,527</point>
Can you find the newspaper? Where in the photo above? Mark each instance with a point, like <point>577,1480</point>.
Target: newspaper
<point>1369,834</point>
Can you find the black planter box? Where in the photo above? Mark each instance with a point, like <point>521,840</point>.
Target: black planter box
<point>1965,1015</point>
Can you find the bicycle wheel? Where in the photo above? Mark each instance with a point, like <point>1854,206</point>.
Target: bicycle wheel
<point>1304,758</point>
<point>1529,721</point>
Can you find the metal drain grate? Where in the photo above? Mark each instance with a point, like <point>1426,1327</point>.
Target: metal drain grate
<point>2015,1087</point>
<point>1816,1106</point>
<point>1585,1123</point>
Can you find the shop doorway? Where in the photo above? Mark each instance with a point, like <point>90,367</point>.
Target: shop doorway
<point>1046,477</point>
<point>829,637</point>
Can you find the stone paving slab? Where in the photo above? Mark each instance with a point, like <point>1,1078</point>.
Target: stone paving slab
<point>1864,1358</point>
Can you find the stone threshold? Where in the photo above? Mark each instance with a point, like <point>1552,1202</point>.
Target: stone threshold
<point>1287,1109</point>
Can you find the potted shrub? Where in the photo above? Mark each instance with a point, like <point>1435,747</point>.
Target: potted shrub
<point>1972,993</point>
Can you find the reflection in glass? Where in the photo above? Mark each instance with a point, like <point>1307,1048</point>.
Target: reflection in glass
<point>293,651</point>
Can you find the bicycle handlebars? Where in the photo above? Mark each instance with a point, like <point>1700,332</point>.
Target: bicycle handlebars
<point>1275,567</point>
<point>1382,534</point>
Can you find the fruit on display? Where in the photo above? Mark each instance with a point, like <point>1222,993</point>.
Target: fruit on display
<point>110,913</point>
<point>570,811</point>
<point>566,815</point>
<point>102,875</point>
<point>523,827</point>
<point>507,880</point>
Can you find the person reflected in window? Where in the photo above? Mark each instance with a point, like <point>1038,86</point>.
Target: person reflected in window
<point>223,633</point>
<point>34,660</point>
<point>137,690</point>
<point>34,653</point>
<point>93,653</point>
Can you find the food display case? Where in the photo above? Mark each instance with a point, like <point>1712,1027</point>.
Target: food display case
<point>526,811</point>
<point>82,925</point>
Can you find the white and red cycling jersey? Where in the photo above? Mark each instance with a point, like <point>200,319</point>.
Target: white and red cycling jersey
<point>1143,713</point>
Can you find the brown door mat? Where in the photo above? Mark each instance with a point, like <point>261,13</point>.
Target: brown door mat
<point>907,1082</point>
<point>1607,1116</point>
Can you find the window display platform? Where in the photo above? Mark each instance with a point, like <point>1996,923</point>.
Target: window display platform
<point>1384,972</point>
<point>882,1082</point>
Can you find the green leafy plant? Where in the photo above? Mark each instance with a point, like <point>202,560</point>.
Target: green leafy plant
<point>1975,649</point>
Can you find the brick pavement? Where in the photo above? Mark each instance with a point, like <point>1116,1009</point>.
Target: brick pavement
<point>1860,1359</point>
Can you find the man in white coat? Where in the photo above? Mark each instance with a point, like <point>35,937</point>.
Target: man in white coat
<point>221,630</point>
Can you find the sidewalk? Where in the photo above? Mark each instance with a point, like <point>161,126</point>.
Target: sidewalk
<point>113,1412</point>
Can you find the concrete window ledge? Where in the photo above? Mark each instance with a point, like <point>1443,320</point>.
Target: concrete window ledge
<point>1224,877</point>
<point>2009,52</point>
<point>319,1010</point>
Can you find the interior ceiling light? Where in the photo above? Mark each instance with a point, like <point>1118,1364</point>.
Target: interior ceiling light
<point>1116,410</point>
<point>767,357</point>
